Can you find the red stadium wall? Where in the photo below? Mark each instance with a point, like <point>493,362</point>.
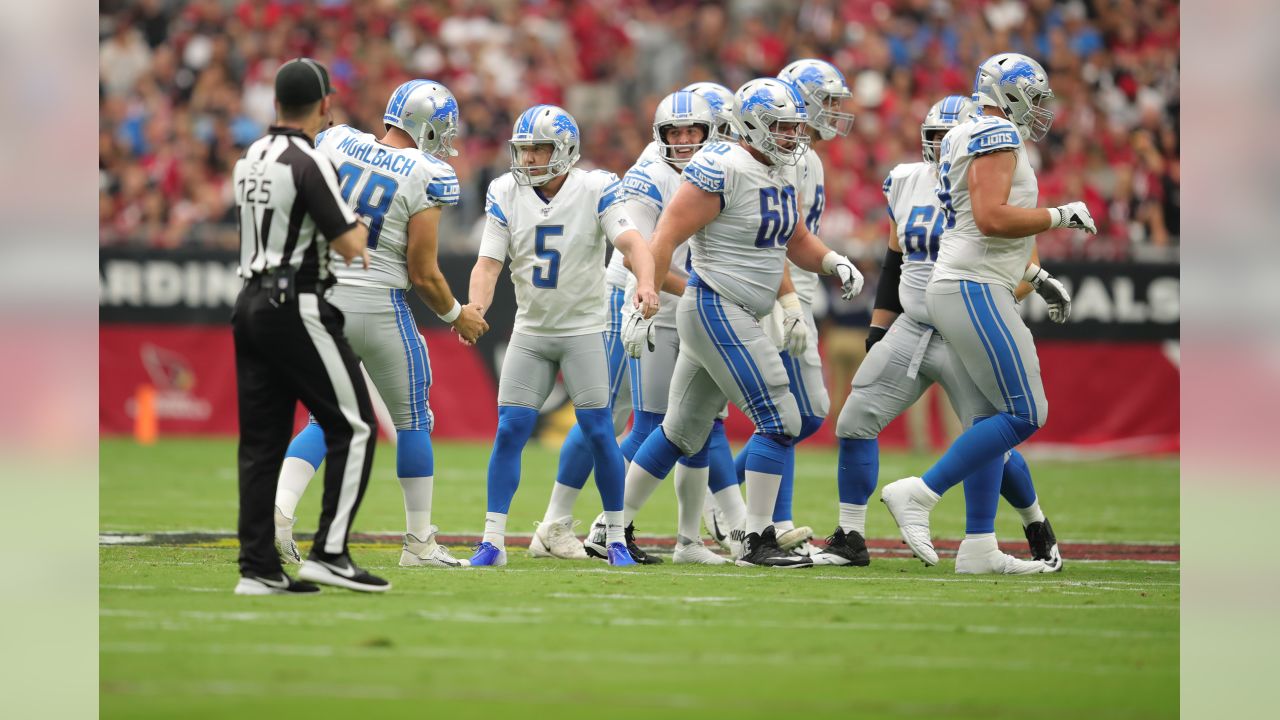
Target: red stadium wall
<point>1102,395</point>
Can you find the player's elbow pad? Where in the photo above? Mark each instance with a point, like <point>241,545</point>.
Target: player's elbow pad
<point>887,293</point>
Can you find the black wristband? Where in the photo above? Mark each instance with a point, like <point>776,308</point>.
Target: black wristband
<point>875,335</point>
<point>887,291</point>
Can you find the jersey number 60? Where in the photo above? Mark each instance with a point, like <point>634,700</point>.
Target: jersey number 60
<point>778,216</point>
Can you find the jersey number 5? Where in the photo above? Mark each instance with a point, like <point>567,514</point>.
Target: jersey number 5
<point>548,279</point>
<point>374,200</point>
<point>777,216</point>
<point>921,241</point>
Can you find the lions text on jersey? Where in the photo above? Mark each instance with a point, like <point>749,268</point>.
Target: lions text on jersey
<point>910,189</point>
<point>388,186</point>
<point>966,254</point>
<point>741,253</point>
<point>556,247</point>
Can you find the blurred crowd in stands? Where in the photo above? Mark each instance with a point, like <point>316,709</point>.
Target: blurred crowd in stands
<point>185,86</point>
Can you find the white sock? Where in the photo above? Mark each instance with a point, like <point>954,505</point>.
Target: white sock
<point>561,503</point>
<point>1031,514</point>
<point>762,493</point>
<point>691,492</point>
<point>495,529</point>
<point>853,517</point>
<point>729,500</point>
<point>295,475</point>
<point>640,485</point>
<point>613,527</point>
<point>784,525</point>
<point>417,505</point>
<point>981,542</point>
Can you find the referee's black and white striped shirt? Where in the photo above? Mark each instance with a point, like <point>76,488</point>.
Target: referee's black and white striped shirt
<point>289,208</point>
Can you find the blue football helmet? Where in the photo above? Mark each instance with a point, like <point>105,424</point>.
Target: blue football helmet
<point>1020,88</point>
<point>771,116</point>
<point>428,112</point>
<point>682,109</point>
<point>545,124</point>
<point>824,90</point>
<point>945,114</point>
<point>720,98</point>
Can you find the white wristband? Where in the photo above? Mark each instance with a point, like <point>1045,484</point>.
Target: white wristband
<point>1055,218</point>
<point>453,313</point>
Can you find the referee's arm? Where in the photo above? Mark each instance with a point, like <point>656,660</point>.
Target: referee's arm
<point>347,236</point>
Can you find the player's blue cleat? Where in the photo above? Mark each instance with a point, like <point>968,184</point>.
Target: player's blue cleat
<point>489,555</point>
<point>619,556</point>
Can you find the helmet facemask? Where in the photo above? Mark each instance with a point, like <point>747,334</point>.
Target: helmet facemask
<point>525,174</point>
<point>830,120</point>
<point>1027,109</point>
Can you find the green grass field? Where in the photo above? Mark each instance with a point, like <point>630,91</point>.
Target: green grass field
<point>578,639</point>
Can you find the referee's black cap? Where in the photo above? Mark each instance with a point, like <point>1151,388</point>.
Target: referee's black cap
<point>302,81</point>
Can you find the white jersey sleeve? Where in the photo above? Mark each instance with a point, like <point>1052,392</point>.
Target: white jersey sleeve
<point>812,198</point>
<point>496,241</point>
<point>913,204</point>
<point>388,186</point>
<point>741,253</point>
<point>648,186</point>
<point>965,253</point>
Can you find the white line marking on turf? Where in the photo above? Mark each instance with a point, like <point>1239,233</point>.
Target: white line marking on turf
<point>850,600</point>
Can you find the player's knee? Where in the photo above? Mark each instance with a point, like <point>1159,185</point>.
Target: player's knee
<point>858,422</point>
<point>596,423</point>
<point>809,424</point>
<point>414,455</point>
<point>515,424</point>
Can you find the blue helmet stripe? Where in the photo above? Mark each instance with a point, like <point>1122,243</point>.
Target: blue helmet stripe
<point>396,107</point>
<point>526,120</point>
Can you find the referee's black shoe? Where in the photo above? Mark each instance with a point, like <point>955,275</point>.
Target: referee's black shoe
<point>341,572</point>
<point>280,584</point>
<point>761,550</point>
<point>844,549</point>
<point>637,554</point>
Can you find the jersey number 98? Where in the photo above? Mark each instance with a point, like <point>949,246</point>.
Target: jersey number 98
<point>778,216</point>
<point>546,279</point>
<point>374,200</point>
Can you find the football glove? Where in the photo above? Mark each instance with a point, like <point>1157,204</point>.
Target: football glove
<point>636,333</point>
<point>1052,290</point>
<point>1073,215</point>
<point>795,331</point>
<point>843,268</point>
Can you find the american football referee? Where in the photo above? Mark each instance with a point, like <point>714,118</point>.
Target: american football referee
<point>289,341</point>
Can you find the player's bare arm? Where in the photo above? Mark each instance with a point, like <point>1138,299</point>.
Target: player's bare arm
<point>429,282</point>
<point>484,278</point>
<point>809,252</point>
<point>639,260</point>
<point>990,180</point>
<point>690,210</point>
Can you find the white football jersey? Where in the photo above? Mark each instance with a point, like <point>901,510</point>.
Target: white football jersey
<point>965,253</point>
<point>812,198</point>
<point>740,254</point>
<point>388,186</point>
<point>646,189</point>
<point>617,274</point>
<point>913,205</point>
<point>556,248</point>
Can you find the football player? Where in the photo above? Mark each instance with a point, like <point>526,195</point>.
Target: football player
<point>905,356</point>
<point>552,220</point>
<point>398,183</point>
<point>988,191</point>
<point>738,202</point>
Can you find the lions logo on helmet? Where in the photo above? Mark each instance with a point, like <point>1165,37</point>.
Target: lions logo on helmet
<point>544,125</point>
<point>720,98</point>
<point>428,112</point>
<point>771,116</point>
<point>824,90</point>
<point>944,115</point>
<point>1018,86</point>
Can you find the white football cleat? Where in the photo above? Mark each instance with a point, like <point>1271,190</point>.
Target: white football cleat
<point>285,546</point>
<point>713,521</point>
<point>909,501</point>
<point>795,537</point>
<point>695,553</point>
<point>737,543</point>
<point>982,556</point>
<point>427,553</point>
<point>556,540</point>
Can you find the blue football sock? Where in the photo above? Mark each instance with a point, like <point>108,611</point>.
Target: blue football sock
<point>309,445</point>
<point>740,465</point>
<point>415,457</point>
<point>981,496</point>
<point>858,469</point>
<point>575,459</point>
<point>1015,482</point>
<point>515,426</point>
<point>720,457</point>
<point>597,426</point>
<point>782,507</point>
<point>768,453</point>
<point>642,425</point>
<point>657,455</point>
<point>989,439</point>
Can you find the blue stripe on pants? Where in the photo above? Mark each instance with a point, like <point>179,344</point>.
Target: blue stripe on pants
<point>738,360</point>
<point>419,365</point>
<point>972,300</point>
<point>1007,336</point>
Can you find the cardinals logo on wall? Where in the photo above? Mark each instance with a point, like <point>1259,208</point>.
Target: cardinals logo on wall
<point>174,381</point>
